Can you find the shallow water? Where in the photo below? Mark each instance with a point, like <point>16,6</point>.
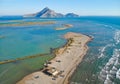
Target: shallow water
<point>28,40</point>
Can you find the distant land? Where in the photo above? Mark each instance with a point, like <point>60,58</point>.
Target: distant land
<point>48,13</point>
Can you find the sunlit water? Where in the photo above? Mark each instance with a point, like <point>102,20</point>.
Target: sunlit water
<point>101,65</point>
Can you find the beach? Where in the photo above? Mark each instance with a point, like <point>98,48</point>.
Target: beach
<point>60,68</point>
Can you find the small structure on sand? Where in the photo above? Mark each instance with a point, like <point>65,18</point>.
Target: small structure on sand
<point>51,71</point>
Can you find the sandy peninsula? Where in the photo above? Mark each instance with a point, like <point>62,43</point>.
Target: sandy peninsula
<point>59,69</point>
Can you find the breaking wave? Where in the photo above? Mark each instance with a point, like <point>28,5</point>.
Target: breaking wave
<point>109,26</point>
<point>102,50</point>
<point>110,70</point>
<point>117,36</point>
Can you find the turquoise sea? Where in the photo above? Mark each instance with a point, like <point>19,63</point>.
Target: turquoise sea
<point>101,65</point>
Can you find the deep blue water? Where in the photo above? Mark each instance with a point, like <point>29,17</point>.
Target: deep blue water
<point>102,19</point>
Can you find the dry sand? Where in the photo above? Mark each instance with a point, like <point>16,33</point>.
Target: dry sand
<point>69,56</point>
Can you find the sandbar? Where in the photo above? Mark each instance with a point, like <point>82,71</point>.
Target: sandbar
<point>65,26</point>
<point>27,23</point>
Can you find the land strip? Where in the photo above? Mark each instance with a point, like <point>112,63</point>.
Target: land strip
<point>60,68</point>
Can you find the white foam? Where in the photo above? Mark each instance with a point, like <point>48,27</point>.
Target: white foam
<point>118,74</point>
<point>102,50</point>
<point>110,70</point>
<point>108,82</point>
<point>117,36</point>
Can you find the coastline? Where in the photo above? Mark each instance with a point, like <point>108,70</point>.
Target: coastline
<point>66,81</point>
<point>66,60</point>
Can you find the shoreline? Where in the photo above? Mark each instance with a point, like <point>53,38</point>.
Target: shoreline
<point>65,62</point>
<point>67,81</point>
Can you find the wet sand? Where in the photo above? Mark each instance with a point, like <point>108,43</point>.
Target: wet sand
<point>66,60</point>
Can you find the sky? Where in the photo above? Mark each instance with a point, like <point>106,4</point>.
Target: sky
<point>81,7</point>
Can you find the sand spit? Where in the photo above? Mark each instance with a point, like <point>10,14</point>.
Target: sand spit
<point>65,26</point>
<point>28,23</point>
<point>59,69</point>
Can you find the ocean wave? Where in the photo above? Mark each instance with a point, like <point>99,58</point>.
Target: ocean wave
<point>110,70</point>
<point>58,40</point>
<point>118,74</point>
<point>102,50</point>
<point>108,26</point>
<point>117,36</point>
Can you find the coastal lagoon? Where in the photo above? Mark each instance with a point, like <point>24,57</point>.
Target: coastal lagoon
<point>101,65</point>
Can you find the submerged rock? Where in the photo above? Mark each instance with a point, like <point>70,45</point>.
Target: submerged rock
<point>2,37</point>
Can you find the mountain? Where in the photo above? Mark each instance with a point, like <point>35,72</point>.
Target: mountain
<point>71,15</point>
<point>48,13</point>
